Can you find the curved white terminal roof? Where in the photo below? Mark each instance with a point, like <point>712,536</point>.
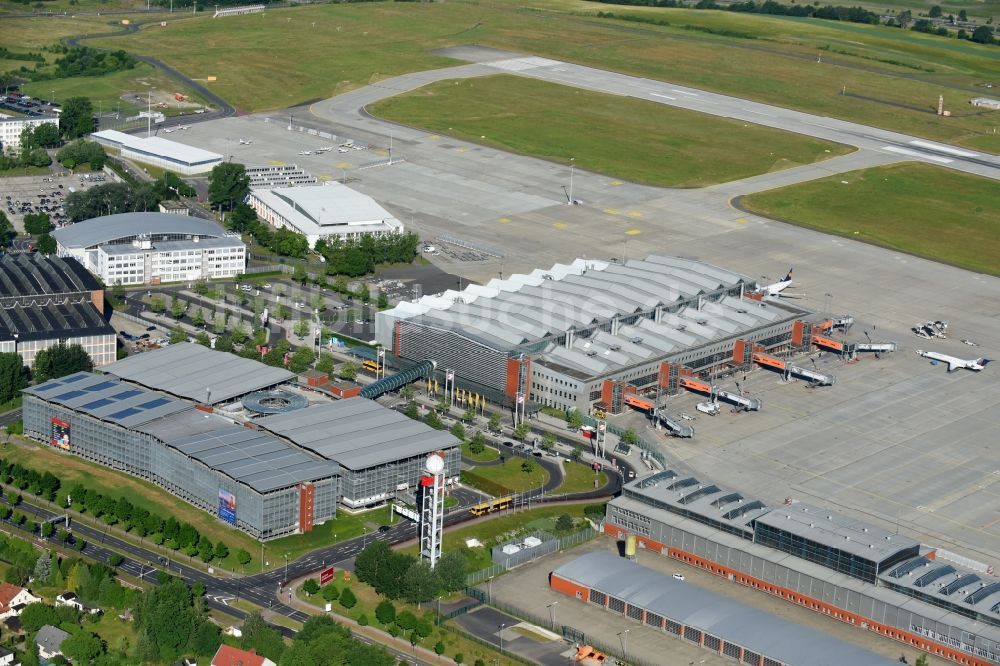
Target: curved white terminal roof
<point>111,229</point>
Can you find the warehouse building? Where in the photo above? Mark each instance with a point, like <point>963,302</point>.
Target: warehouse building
<point>249,479</point>
<point>150,248</point>
<point>849,570</point>
<point>325,211</point>
<point>176,417</point>
<point>47,301</point>
<point>715,622</point>
<point>588,332</point>
<point>155,151</point>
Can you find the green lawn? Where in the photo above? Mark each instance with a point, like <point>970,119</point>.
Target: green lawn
<point>636,140</point>
<point>512,476</point>
<point>924,210</point>
<point>487,455</point>
<point>579,478</point>
<point>358,43</point>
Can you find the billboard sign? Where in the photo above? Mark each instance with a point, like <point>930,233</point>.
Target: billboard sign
<point>60,434</point>
<point>227,506</point>
<point>326,575</point>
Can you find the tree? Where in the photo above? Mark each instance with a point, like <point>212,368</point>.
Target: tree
<point>82,647</point>
<point>243,218</point>
<point>348,371</point>
<point>433,420</point>
<point>385,612</point>
<point>47,529</point>
<point>239,334</point>
<point>43,568</point>
<point>412,410</point>
<point>459,657</point>
<point>36,224</point>
<point>528,465</point>
<point>13,376</point>
<point>199,317</point>
<point>301,328</point>
<point>629,437</point>
<point>347,599</point>
<point>203,339</point>
<point>921,661</point>
<point>221,551</point>
<point>35,616</point>
<point>983,35</point>
<point>469,414</point>
<point>243,557</point>
<point>406,620</point>
<point>564,523</point>
<point>521,431</point>
<point>178,335</point>
<point>177,307</point>
<point>935,12</point>
<point>478,443</point>
<point>301,360</point>
<point>310,586</point>
<point>382,302</point>
<point>325,363</point>
<point>451,570</point>
<point>60,361</point>
<point>458,430</point>
<point>574,419</point>
<point>47,244</point>
<point>77,117</point>
<point>157,304</point>
<point>330,593</point>
<point>963,16</point>
<point>228,184</point>
<point>420,582</point>
<point>548,441</point>
<point>494,424</point>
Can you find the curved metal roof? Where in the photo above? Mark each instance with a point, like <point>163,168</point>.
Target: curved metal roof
<point>99,230</point>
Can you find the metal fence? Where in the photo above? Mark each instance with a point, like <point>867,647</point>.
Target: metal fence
<point>562,543</point>
<point>548,544</point>
<point>618,431</point>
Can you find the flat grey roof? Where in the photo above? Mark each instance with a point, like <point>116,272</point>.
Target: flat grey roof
<point>192,371</point>
<point>732,621</point>
<point>99,230</point>
<point>949,583</point>
<point>328,209</point>
<point>108,398</point>
<point>358,433</point>
<point>837,531</point>
<point>159,147</point>
<point>254,458</point>
<point>687,494</point>
<point>168,246</point>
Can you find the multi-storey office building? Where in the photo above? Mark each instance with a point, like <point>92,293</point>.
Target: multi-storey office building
<point>150,248</point>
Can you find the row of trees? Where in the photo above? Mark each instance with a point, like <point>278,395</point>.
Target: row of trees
<point>360,255</point>
<point>174,534</point>
<point>50,363</point>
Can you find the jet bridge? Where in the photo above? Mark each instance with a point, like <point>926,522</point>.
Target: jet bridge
<point>712,391</point>
<point>877,347</point>
<point>787,369</point>
<point>676,428</point>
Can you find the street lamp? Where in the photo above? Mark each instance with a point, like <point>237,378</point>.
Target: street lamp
<point>572,170</point>
<point>500,635</point>
<point>552,619</point>
<point>623,636</point>
<point>286,568</point>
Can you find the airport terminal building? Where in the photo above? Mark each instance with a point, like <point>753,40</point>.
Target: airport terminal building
<point>150,248</point>
<point>877,580</point>
<point>47,301</point>
<point>585,333</point>
<point>178,417</point>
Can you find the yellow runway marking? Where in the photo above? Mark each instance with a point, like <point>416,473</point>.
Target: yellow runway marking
<point>277,163</point>
<point>612,211</point>
<point>741,220</point>
<point>504,220</point>
<point>560,225</point>
<point>343,165</point>
<point>616,183</point>
<point>635,213</point>
<point>433,137</point>
<point>462,149</point>
<point>632,232</point>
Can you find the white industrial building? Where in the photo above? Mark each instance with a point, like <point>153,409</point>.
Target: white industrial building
<point>150,248</point>
<point>176,157</point>
<point>11,128</point>
<point>323,211</point>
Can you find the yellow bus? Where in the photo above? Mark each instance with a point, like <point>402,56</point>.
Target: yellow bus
<point>490,506</point>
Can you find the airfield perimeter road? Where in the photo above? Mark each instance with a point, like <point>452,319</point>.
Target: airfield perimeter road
<point>896,442</point>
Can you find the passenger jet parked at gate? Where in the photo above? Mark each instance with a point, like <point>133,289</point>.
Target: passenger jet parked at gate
<point>955,363</point>
<point>777,287</point>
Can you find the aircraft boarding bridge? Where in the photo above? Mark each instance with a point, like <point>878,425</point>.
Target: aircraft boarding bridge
<point>788,370</point>
<point>851,349</point>
<point>712,391</point>
<point>676,428</point>
<point>877,347</point>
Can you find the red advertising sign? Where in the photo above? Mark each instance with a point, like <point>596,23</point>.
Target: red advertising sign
<point>326,575</point>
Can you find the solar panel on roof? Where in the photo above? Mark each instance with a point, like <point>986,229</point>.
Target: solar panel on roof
<point>98,403</point>
<point>701,492</point>
<point>745,509</point>
<point>152,404</point>
<point>126,394</point>
<point>659,476</point>
<point>69,395</point>
<point>100,386</point>
<point>934,575</point>
<point>983,593</point>
<point>683,483</point>
<point>73,378</point>
<point>907,567</point>
<point>727,499</point>
<point>125,413</point>
<point>958,584</point>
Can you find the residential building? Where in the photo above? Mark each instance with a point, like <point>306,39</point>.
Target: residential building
<point>13,599</point>
<point>228,655</point>
<point>11,128</point>
<point>49,640</point>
